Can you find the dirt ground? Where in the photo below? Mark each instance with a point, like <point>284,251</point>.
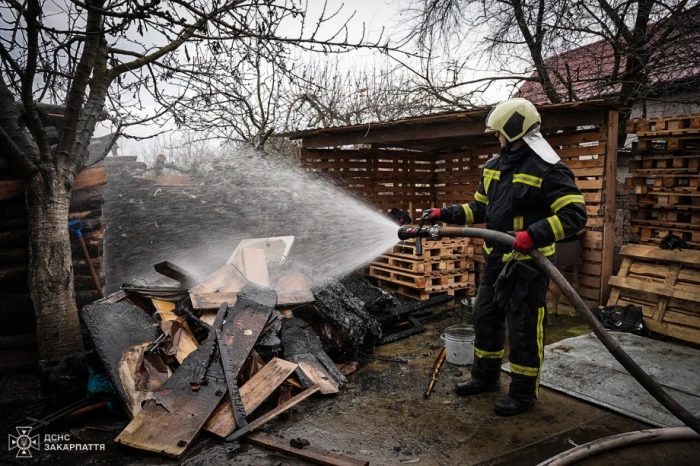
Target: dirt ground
<point>382,417</point>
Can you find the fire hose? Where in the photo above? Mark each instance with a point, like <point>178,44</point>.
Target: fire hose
<point>649,384</point>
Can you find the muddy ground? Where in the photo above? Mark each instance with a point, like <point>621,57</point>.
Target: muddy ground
<point>381,416</point>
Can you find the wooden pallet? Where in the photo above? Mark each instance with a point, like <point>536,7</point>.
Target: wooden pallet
<point>467,289</point>
<point>433,282</point>
<point>668,199</point>
<point>649,205</point>
<point>432,249</point>
<point>645,184</point>
<point>665,284</point>
<point>640,215</point>
<point>657,241</point>
<point>681,124</point>
<point>666,164</point>
<point>408,264</point>
<point>672,144</point>
<point>650,232</point>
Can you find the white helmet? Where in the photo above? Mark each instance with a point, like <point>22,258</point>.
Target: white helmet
<point>513,118</point>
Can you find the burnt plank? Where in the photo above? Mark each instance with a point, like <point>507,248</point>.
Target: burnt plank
<point>318,376</point>
<point>311,454</point>
<point>415,328</point>
<point>253,393</point>
<point>293,288</point>
<point>239,334</point>
<point>231,369</point>
<point>173,418</point>
<point>208,346</point>
<point>175,272</point>
<point>273,413</point>
<point>179,410</point>
<point>300,343</point>
<point>114,328</point>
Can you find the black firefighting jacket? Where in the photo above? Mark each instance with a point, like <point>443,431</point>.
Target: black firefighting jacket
<point>520,191</point>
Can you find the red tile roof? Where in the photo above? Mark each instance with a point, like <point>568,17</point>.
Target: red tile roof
<point>590,69</point>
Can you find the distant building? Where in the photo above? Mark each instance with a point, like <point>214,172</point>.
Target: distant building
<point>672,87</point>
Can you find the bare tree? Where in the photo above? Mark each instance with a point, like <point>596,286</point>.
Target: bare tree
<point>325,94</point>
<point>128,56</point>
<point>240,106</point>
<point>636,48</point>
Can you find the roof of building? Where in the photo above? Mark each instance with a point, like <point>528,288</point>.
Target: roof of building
<point>589,68</point>
<point>444,131</point>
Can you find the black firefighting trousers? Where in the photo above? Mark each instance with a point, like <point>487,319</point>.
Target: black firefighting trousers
<point>525,335</point>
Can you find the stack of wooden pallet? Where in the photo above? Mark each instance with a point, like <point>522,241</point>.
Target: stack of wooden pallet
<point>665,183</point>
<point>445,268</point>
<point>665,284</point>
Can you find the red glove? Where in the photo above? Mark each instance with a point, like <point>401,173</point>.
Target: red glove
<point>523,242</point>
<point>434,214</point>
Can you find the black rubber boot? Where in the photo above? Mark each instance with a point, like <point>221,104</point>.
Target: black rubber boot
<point>510,406</point>
<point>474,387</point>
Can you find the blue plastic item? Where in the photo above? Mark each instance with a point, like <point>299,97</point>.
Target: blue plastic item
<point>76,227</point>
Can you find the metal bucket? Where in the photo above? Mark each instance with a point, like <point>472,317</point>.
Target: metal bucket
<point>467,311</point>
<point>459,345</point>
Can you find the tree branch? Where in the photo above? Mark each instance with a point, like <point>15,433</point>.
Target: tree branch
<point>81,78</point>
<point>15,144</point>
<point>36,127</point>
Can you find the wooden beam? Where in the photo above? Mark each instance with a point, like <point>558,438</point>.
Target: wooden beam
<point>642,251</point>
<point>611,167</point>
<point>87,178</point>
<point>670,282</point>
<point>175,272</point>
<point>253,394</point>
<point>311,454</point>
<point>397,134</point>
<point>610,206</point>
<point>655,288</point>
<point>273,414</point>
<point>403,131</point>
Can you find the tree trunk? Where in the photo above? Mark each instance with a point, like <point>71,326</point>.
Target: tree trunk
<point>50,267</point>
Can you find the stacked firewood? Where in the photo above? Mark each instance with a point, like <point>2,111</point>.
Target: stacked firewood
<point>17,340</point>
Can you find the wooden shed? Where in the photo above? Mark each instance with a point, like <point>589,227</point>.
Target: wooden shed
<point>436,160</point>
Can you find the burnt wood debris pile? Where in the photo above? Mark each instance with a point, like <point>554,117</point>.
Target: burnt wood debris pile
<point>253,337</point>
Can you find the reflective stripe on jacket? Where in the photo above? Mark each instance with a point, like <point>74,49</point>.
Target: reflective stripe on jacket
<point>520,191</point>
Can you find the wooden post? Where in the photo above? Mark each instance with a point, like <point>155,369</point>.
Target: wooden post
<point>433,179</point>
<point>610,197</point>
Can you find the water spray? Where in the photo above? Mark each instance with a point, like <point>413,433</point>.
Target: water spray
<point>650,385</point>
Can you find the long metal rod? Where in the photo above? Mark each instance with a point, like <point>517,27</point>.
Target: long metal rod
<point>649,384</point>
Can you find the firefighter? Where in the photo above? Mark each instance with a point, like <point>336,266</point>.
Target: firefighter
<point>527,190</point>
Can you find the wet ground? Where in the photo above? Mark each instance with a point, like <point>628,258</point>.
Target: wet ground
<point>382,417</point>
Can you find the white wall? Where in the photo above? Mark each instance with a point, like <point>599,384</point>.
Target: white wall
<point>672,105</point>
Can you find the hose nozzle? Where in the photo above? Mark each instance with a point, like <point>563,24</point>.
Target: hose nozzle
<point>407,233</point>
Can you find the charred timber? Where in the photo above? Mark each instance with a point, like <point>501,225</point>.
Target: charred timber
<point>355,330</point>
<point>300,343</point>
<point>175,272</point>
<point>414,329</point>
<point>209,348</point>
<point>184,310</point>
